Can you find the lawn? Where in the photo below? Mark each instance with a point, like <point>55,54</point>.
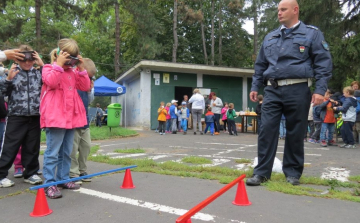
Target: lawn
<point>103,133</point>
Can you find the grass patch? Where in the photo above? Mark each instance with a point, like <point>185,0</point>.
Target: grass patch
<point>102,133</point>
<point>138,150</point>
<point>355,178</point>
<point>12,194</point>
<point>94,150</point>
<point>42,152</point>
<point>196,160</point>
<point>243,160</point>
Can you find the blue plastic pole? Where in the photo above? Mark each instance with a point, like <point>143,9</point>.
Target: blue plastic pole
<point>83,177</point>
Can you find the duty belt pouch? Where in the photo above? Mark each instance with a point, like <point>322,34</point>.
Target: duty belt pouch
<point>273,83</point>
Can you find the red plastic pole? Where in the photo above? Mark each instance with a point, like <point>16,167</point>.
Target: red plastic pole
<point>197,208</point>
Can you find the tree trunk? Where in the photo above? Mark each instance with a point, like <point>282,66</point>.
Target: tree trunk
<point>117,39</point>
<point>220,32</point>
<point>203,37</point>
<point>175,32</point>
<point>255,13</point>
<point>212,32</point>
<point>38,23</point>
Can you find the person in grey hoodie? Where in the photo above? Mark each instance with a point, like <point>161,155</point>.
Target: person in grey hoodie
<point>198,107</point>
<point>216,106</point>
<point>348,110</point>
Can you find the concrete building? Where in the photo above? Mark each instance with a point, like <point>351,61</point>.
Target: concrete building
<point>150,82</point>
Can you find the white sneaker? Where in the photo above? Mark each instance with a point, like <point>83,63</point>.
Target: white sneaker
<point>34,179</point>
<point>6,183</point>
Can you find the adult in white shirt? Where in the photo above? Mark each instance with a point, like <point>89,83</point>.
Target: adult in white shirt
<point>198,107</point>
<point>216,105</point>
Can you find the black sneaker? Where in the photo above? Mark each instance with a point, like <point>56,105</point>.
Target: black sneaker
<point>86,179</point>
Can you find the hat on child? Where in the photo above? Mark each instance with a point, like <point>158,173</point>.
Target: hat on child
<point>183,103</point>
<point>173,101</point>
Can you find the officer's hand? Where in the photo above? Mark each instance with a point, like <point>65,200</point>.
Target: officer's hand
<point>253,96</point>
<point>317,99</point>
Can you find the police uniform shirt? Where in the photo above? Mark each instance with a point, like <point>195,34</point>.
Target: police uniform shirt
<point>300,53</point>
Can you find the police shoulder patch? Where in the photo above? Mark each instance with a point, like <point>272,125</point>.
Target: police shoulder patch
<point>312,27</point>
<point>325,45</point>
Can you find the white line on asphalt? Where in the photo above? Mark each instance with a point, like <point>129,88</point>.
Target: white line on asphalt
<point>340,174</point>
<point>216,162</point>
<point>128,156</point>
<point>158,157</point>
<point>218,143</point>
<point>105,145</point>
<point>145,204</point>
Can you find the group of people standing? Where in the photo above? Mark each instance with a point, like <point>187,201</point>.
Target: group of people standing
<point>55,98</point>
<point>173,118</point>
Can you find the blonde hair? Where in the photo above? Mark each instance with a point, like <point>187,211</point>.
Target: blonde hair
<point>231,105</point>
<point>349,90</point>
<point>25,48</point>
<point>68,45</point>
<point>168,104</point>
<point>196,90</point>
<point>89,66</point>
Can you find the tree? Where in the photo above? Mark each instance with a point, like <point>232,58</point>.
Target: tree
<point>176,41</point>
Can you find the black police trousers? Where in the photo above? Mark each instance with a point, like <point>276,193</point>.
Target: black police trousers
<point>293,101</point>
<point>21,131</point>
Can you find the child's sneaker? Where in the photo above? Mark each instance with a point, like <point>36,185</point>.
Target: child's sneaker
<point>86,179</point>
<point>18,173</point>
<point>70,186</point>
<point>6,183</point>
<point>39,172</point>
<point>53,192</point>
<point>331,143</point>
<point>34,179</point>
<point>311,141</point>
<point>323,143</point>
<point>156,131</point>
<point>343,145</point>
<point>350,147</point>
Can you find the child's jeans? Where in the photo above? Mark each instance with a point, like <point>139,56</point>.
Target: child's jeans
<point>225,122</point>
<point>282,129</point>
<point>17,162</point>
<point>316,133</point>
<point>232,127</point>
<point>346,133</point>
<point>211,125</point>
<point>57,159</point>
<point>330,127</point>
<point>168,124</point>
<point>162,125</point>
<point>179,125</point>
<point>173,124</point>
<point>184,123</point>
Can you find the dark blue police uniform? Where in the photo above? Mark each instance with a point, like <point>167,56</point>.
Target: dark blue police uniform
<point>289,57</point>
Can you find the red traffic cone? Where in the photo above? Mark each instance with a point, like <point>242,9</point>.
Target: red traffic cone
<point>241,197</point>
<point>127,183</point>
<point>188,221</point>
<point>41,207</point>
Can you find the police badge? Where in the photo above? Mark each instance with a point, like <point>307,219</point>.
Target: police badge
<point>325,45</point>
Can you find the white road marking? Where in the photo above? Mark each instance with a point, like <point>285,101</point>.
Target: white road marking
<point>218,143</point>
<point>216,162</point>
<point>128,156</point>
<point>340,174</point>
<point>158,157</point>
<point>105,145</point>
<point>145,204</point>
<point>308,154</point>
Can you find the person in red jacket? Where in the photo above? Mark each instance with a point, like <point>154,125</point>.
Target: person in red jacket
<point>209,120</point>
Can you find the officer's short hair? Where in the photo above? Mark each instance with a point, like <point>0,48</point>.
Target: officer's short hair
<point>349,90</point>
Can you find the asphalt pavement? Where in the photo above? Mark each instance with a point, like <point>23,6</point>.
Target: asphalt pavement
<point>160,198</point>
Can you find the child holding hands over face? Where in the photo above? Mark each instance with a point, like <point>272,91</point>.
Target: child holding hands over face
<point>62,110</point>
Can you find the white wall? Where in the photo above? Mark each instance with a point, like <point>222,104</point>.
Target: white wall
<point>145,98</point>
<point>131,104</point>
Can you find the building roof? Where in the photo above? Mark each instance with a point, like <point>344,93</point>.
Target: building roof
<point>183,68</point>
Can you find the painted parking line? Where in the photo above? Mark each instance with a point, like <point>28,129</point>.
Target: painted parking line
<point>216,162</point>
<point>144,204</point>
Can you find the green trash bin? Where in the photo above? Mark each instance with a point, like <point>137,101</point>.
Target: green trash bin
<point>113,115</point>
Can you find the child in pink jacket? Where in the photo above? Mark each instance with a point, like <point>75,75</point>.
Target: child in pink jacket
<point>62,111</point>
<point>224,117</point>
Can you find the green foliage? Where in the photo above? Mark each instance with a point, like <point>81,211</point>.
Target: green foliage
<point>132,151</point>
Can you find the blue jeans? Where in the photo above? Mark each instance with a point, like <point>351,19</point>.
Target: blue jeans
<point>347,132</point>
<point>211,125</point>
<point>324,128</point>
<point>59,144</point>
<point>282,129</point>
<point>168,124</point>
<point>184,124</point>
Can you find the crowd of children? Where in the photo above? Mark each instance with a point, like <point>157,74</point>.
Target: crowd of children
<point>176,119</point>
<point>55,98</point>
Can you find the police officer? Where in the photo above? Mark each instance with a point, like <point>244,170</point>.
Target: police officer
<point>288,58</point>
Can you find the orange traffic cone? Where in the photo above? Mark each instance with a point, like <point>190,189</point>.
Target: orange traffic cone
<point>41,207</point>
<point>127,183</point>
<point>241,197</point>
<point>188,221</point>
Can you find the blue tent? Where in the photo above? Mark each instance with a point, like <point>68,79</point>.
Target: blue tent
<point>105,87</point>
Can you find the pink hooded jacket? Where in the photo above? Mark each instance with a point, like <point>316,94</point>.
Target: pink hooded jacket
<point>61,105</point>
